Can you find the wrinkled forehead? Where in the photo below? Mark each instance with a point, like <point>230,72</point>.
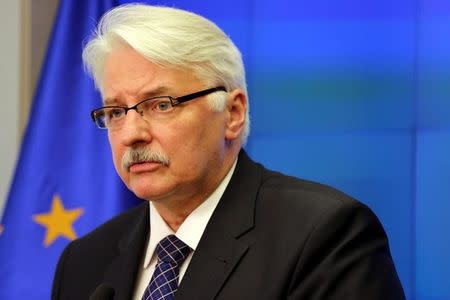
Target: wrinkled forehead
<point>130,77</point>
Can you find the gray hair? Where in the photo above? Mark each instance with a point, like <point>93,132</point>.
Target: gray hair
<point>170,37</point>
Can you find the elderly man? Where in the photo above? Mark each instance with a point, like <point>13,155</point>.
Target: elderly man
<point>215,225</point>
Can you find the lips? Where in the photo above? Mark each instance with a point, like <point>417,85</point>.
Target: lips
<point>146,166</point>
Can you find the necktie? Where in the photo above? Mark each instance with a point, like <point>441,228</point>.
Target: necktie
<point>171,253</point>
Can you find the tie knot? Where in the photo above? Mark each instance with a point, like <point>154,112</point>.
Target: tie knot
<point>172,250</point>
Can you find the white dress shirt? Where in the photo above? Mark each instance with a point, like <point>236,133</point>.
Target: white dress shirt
<point>190,232</point>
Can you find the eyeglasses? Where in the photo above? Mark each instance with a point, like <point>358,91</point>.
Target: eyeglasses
<point>108,117</point>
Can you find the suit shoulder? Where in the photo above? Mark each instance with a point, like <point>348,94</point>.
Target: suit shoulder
<point>91,254</point>
<point>275,181</point>
<point>313,209</point>
<point>114,228</point>
<point>298,196</point>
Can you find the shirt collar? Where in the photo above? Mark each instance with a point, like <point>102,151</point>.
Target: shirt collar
<point>191,230</point>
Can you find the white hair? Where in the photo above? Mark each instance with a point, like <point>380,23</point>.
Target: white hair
<point>170,37</point>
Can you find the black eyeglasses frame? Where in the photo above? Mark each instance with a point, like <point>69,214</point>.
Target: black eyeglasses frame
<point>173,100</point>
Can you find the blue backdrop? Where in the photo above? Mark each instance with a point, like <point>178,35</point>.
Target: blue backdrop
<point>354,94</point>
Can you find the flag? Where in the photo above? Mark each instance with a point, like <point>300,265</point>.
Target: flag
<point>65,183</point>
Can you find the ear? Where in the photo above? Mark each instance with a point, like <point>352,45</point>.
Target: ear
<point>236,112</point>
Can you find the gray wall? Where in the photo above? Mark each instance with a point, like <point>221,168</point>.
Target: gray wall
<point>24,30</point>
<point>10,89</point>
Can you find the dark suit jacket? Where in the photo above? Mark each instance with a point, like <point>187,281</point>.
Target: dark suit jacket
<point>270,237</point>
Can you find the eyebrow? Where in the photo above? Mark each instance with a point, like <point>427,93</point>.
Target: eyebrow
<point>159,91</point>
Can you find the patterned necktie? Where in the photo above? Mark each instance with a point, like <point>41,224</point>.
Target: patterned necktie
<point>171,253</point>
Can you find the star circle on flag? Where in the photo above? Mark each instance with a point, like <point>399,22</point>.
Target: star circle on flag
<point>58,222</point>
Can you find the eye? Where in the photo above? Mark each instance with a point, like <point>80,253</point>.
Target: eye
<point>162,105</point>
<point>115,113</point>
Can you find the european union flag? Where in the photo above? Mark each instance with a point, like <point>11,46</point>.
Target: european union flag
<point>65,183</point>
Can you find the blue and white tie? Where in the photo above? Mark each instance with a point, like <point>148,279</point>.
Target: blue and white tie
<point>171,253</point>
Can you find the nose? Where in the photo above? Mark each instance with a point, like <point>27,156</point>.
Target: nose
<point>135,130</point>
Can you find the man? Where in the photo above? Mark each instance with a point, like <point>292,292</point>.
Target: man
<point>215,225</point>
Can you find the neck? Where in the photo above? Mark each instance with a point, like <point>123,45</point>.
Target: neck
<point>173,218</point>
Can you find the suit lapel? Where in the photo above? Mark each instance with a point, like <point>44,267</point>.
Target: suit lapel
<point>121,274</point>
<point>227,236</point>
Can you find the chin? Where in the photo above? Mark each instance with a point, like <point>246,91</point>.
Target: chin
<point>147,186</point>
<point>149,192</point>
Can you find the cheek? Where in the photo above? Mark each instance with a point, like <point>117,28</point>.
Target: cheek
<point>182,142</point>
<point>117,153</point>
<point>199,142</point>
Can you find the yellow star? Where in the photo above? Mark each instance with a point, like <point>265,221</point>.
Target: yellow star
<point>1,229</point>
<point>58,221</point>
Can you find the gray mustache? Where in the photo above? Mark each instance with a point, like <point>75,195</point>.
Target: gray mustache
<point>140,155</point>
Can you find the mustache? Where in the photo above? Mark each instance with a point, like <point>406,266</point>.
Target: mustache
<point>142,154</point>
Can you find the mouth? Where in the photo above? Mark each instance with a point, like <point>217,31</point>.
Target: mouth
<point>145,166</point>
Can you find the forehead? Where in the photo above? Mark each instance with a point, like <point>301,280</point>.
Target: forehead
<point>127,74</point>
<point>126,70</point>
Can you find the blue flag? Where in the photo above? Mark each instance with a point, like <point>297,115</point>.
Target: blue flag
<point>65,183</point>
